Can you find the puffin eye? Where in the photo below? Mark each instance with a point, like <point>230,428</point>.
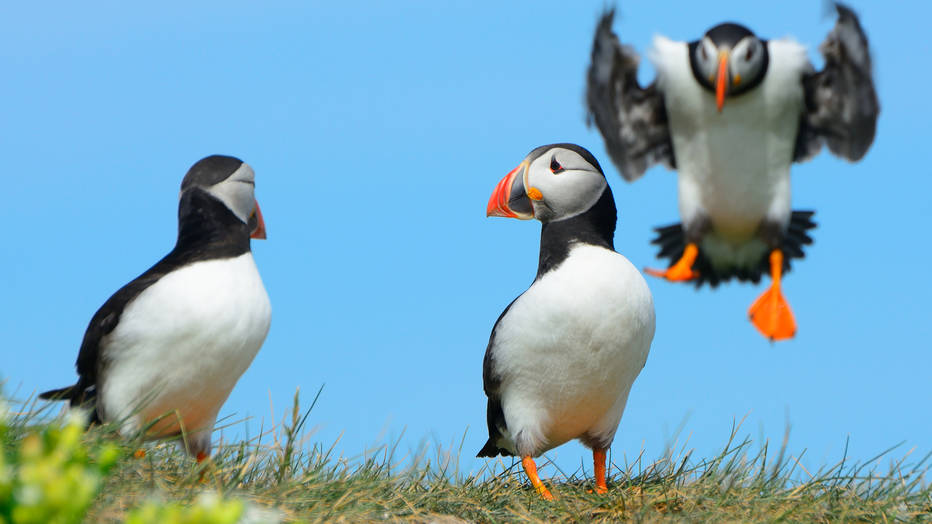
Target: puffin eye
<point>555,166</point>
<point>705,55</point>
<point>750,53</point>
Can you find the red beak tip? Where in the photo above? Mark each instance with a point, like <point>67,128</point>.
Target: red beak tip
<point>498,202</point>
<point>259,233</point>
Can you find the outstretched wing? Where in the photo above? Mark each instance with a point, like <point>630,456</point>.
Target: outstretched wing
<point>632,120</point>
<point>841,103</point>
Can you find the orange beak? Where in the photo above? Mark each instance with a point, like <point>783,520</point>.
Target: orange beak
<point>721,83</point>
<point>508,194</point>
<point>260,228</point>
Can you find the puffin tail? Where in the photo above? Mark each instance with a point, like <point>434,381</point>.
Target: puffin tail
<point>66,393</point>
<point>797,235</point>
<point>77,396</point>
<point>489,450</point>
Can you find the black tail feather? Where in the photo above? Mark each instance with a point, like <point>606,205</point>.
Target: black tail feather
<point>77,395</point>
<point>672,242</point>
<point>489,450</point>
<point>66,393</point>
<point>495,419</point>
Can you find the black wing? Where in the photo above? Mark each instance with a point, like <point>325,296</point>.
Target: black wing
<point>212,232</point>
<point>495,417</point>
<point>841,103</point>
<point>84,392</point>
<point>632,120</point>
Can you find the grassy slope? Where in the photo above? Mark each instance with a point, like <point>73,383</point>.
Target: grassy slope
<point>276,470</point>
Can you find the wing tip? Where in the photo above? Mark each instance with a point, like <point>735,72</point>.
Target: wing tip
<point>844,11</point>
<point>607,17</point>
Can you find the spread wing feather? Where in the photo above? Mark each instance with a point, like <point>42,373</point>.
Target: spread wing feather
<point>631,119</point>
<point>841,102</point>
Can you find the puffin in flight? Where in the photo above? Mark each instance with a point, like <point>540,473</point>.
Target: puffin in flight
<point>164,352</point>
<point>731,112</point>
<point>563,355</point>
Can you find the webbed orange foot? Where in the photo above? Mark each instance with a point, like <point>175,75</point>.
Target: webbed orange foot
<point>772,316</point>
<point>682,270</point>
<point>771,313</point>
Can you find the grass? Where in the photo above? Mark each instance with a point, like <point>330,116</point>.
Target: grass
<point>282,476</point>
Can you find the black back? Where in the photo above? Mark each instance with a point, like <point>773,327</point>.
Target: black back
<point>207,230</point>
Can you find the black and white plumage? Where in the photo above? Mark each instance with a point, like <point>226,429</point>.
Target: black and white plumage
<point>562,356</point>
<point>173,342</point>
<point>733,165</point>
<point>731,112</point>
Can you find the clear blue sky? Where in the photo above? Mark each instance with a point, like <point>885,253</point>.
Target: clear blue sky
<point>377,132</point>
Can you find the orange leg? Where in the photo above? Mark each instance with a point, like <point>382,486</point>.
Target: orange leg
<point>771,313</point>
<point>683,269</point>
<point>201,457</point>
<point>598,462</point>
<point>531,469</point>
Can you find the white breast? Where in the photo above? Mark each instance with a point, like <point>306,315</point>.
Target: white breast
<point>733,166</point>
<point>570,347</point>
<point>184,342</point>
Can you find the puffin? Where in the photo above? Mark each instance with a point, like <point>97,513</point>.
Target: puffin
<point>731,112</point>
<point>161,356</point>
<point>563,355</point>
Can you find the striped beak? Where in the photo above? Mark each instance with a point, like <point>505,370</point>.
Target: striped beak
<point>510,198</point>
<point>721,81</point>
<point>256,219</point>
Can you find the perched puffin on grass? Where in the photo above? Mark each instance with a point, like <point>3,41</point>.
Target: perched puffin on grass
<point>562,356</point>
<point>731,113</point>
<point>164,352</point>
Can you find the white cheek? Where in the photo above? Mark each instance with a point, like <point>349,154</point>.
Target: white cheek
<point>740,65</point>
<point>237,196</point>
<point>568,194</point>
<point>709,64</point>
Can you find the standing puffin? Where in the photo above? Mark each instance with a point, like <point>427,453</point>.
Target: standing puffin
<point>731,113</point>
<point>563,355</point>
<point>164,352</point>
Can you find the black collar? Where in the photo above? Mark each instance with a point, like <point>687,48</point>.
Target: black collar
<point>207,229</point>
<point>594,227</point>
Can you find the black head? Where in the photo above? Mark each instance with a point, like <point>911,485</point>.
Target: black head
<point>728,34</point>
<point>210,170</point>
<point>553,182</point>
<point>232,182</point>
<point>729,60</point>
<point>563,186</point>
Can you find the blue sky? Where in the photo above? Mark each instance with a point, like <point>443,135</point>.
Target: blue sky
<point>377,132</point>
